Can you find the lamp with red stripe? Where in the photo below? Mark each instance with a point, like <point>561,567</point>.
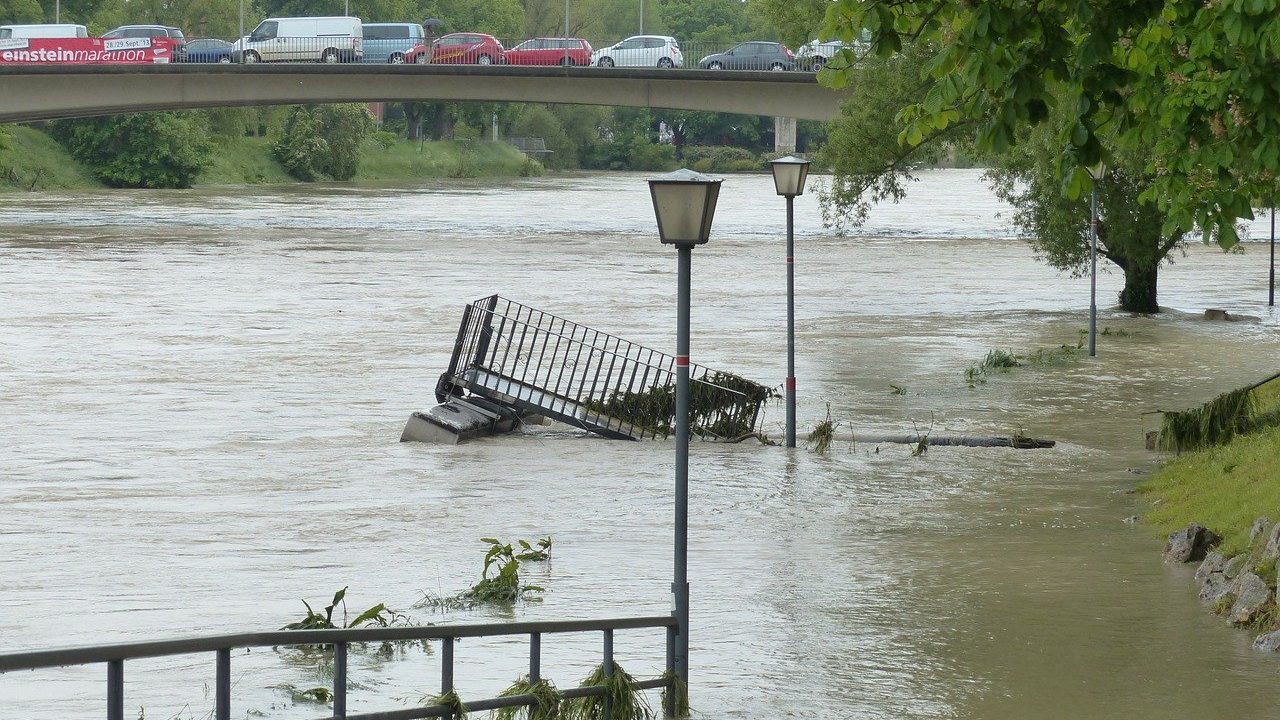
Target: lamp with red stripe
<point>789,175</point>
<point>684,202</point>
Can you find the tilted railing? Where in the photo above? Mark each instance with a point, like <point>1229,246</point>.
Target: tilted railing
<point>115,656</point>
<point>543,363</point>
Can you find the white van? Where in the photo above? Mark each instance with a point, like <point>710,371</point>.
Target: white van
<point>305,39</point>
<point>42,31</point>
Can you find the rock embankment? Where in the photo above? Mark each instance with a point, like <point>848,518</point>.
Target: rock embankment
<point>1241,587</point>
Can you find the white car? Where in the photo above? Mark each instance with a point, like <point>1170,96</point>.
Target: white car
<point>302,39</point>
<point>641,51</point>
<point>42,31</point>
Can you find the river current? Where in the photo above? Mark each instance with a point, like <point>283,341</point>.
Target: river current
<point>201,394</point>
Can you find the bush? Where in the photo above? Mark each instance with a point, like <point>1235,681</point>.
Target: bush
<point>384,139</point>
<point>323,142</point>
<point>721,159</point>
<point>631,152</point>
<point>139,150</point>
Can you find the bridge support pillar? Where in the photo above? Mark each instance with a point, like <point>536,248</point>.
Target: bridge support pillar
<point>784,135</point>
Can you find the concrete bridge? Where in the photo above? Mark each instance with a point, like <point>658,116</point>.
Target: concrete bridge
<point>46,92</point>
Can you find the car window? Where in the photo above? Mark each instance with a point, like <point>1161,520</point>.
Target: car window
<point>631,44</point>
<point>176,34</point>
<point>654,42</point>
<point>265,31</point>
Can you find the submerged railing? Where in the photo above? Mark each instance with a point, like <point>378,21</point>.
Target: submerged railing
<point>545,364</point>
<point>115,656</point>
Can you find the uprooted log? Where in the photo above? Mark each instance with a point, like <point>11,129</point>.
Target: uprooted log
<point>1018,442</point>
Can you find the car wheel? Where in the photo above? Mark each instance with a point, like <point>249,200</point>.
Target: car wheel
<point>666,63</point>
<point>715,66</point>
<point>605,62</point>
<point>422,59</point>
<point>776,67</point>
<point>818,62</point>
<point>329,57</point>
<point>224,60</point>
<point>484,60</point>
<point>251,57</point>
<point>396,59</point>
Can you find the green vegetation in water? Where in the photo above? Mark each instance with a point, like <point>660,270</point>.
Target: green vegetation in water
<point>546,704</point>
<point>378,615</point>
<point>451,701</point>
<point>721,405</point>
<point>626,700</point>
<point>504,586</point>
<point>1223,487</point>
<point>308,696</point>
<point>681,690</point>
<point>823,434</point>
<point>897,389</point>
<point>1223,418</point>
<point>1002,361</point>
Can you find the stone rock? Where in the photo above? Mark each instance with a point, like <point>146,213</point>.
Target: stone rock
<point>1189,544</point>
<point>1216,586</point>
<point>1214,562</point>
<point>1273,543</point>
<point>1252,594</point>
<point>1216,314</point>
<point>1258,528</point>
<point>1232,567</point>
<point>1267,642</point>
<point>1131,520</point>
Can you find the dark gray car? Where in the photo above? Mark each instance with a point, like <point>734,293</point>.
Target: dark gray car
<point>751,56</point>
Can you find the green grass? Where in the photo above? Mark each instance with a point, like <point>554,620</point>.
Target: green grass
<point>1217,421</point>
<point>1224,488</point>
<point>407,160</point>
<point>243,161</point>
<point>35,161</point>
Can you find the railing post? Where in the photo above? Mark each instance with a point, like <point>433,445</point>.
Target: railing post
<point>535,657</point>
<point>607,667</point>
<point>115,690</point>
<point>222,686</point>
<point>339,680</point>
<point>669,710</point>
<point>446,666</point>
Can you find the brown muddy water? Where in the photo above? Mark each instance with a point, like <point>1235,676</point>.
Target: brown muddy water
<point>201,395</point>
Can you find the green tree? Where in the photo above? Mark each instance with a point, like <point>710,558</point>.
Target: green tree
<point>503,19</point>
<point>323,142</point>
<point>141,150</point>
<point>794,21</point>
<point>708,22</point>
<point>1190,82</point>
<point>14,12</point>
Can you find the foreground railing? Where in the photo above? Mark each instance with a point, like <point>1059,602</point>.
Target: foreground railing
<point>115,656</point>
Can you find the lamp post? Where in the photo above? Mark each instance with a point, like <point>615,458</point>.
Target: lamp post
<point>789,175</point>
<point>566,32</point>
<point>1271,283</point>
<point>1097,172</point>
<point>684,203</point>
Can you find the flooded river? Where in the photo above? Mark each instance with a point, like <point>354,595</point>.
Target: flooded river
<point>201,395</point>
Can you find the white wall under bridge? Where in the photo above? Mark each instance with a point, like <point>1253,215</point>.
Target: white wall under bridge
<point>46,92</point>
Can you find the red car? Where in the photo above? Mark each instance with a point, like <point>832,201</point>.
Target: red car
<point>459,48</point>
<point>550,51</point>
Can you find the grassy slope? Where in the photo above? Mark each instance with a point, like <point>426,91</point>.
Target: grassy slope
<point>409,160</point>
<point>1224,488</point>
<point>246,161</point>
<point>36,161</point>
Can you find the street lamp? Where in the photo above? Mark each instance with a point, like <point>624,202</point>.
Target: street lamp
<point>789,175</point>
<point>1097,172</point>
<point>684,203</point>
<point>1271,283</point>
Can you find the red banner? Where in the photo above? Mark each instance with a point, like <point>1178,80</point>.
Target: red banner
<point>86,51</point>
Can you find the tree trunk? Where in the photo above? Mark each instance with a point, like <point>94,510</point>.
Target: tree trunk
<point>1139,293</point>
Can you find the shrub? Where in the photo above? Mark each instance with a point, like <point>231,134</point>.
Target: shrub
<point>384,139</point>
<point>319,142</point>
<point>139,150</point>
<point>705,158</point>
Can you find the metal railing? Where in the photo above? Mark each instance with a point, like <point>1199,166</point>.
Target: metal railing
<point>115,656</point>
<point>545,364</point>
<point>687,55</point>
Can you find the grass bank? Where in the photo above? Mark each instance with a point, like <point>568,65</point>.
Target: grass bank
<point>35,161</point>
<point>1223,487</point>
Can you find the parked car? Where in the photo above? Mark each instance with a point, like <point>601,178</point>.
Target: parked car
<point>43,31</point>
<point>751,56</point>
<point>459,48</point>
<point>550,51</point>
<point>302,39</point>
<point>391,42</point>
<point>205,50</point>
<point>813,55</point>
<point>641,51</point>
<point>147,31</point>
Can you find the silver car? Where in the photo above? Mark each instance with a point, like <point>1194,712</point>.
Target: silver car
<point>641,51</point>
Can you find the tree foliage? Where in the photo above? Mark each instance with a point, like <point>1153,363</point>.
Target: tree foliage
<point>20,11</point>
<point>1192,80</point>
<point>322,142</point>
<point>140,150</point>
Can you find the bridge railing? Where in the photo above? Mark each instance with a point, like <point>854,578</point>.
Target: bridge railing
<point>221,646</point>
